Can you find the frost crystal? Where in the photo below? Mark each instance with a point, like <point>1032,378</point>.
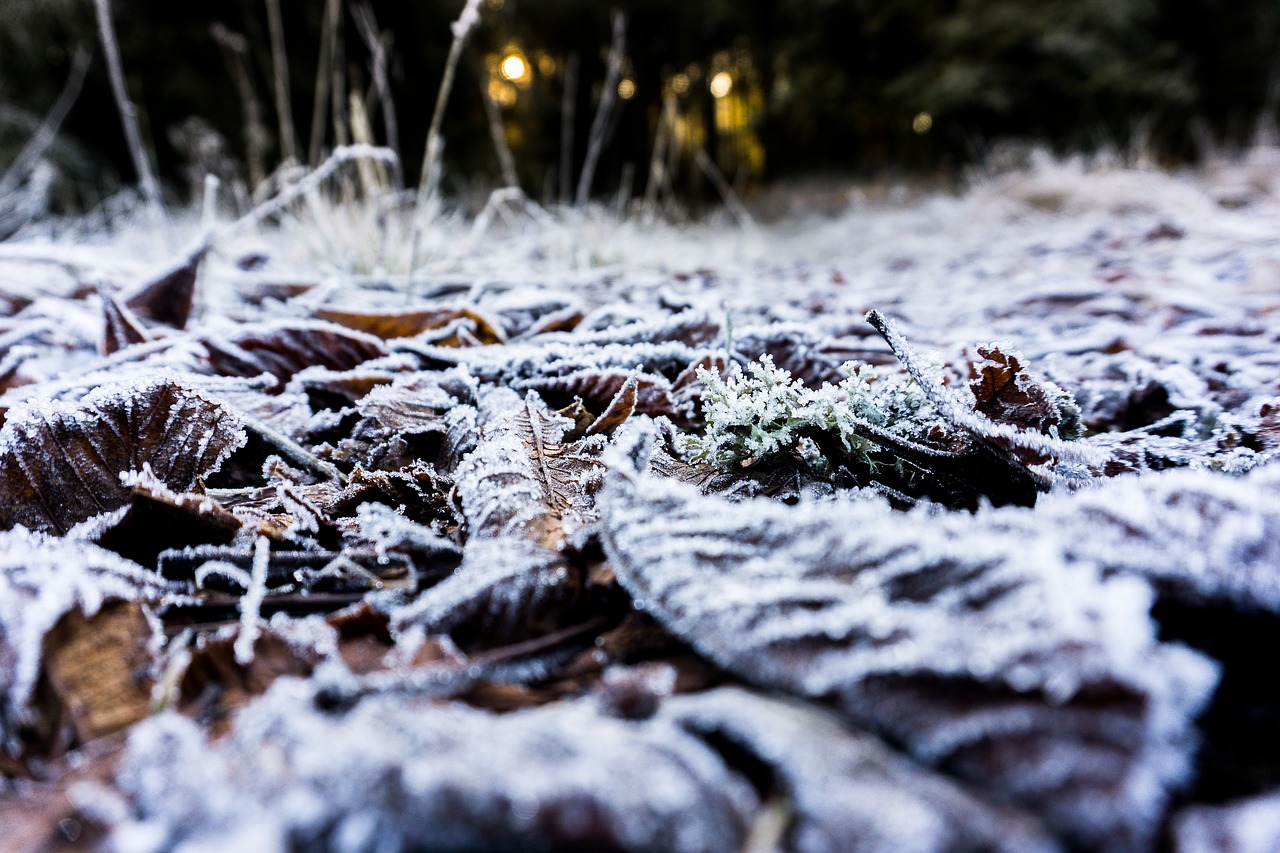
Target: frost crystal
<point>41,580</point>
<point>403,774</point>
<point>996,656</point>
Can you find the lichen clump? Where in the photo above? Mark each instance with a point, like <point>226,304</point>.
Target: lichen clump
<point>765,411</point>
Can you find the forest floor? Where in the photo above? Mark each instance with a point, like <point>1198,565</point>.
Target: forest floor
<point>932,522</point>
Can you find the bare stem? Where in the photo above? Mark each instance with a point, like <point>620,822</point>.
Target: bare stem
<point>609,94</point>
<point>568,110</point>
<point>128,113</point>
<point>280,68</point>
<point>429,181</point>
<point>235,50</point>
<point>48,129</point>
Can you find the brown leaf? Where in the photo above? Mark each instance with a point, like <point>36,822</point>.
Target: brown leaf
<point>97,667</point>
<point>120,328</point>
<point>407,324</point>
<point>158,518</point>
<point>1007,393</point>
<point>215,684</point>
<point>620,408</point>
<point>522,480</point>
<point>167,299</point>
<point>60,463</point>
<point>285,349</point>
<point>597,388</point>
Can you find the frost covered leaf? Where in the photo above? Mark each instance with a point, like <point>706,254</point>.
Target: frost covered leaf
<point>621,407</point>
<point>845,789</point>
<point>120,327</point>
<point>60,463</point>
<point>407,324</point>
<point>158,518</point>
<point>992,656</point>
<point>41,580</point>
<point>401,774</point>
<point>1006,392</point>
<point>167,299</point>
<point>1197,535</point>
<point>521,479</point>
<point>287,348</point>
<point>505,590</point>
<point>652,394</point>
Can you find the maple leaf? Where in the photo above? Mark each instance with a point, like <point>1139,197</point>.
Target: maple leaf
<point>60,463</point>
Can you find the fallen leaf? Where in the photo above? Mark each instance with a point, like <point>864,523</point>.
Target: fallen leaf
<point>521,480</point>
<point>120,327</point>
<point>98,667</point>
<point>408,324</point>
<point>845,789</point>
<point>284,349</point>
<point>506,590</point>
<point>1016,669</point>
<point>60,463</point>
<point>167,299</point>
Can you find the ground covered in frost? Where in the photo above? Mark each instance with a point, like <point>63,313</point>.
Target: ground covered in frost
<point>949,523</point>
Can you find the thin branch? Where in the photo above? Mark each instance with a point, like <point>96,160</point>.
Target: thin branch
<point>377,44</point>
<point>324,76</point>
<point>731,200</point>
<point>568,110</point>
<point>128,113</point>
<point>280,67</point>
<point>609,94</point>
<point>506,162</point>
<point>309,183</point>
<point>48,129</point>
<point>235,49</point>
<point>429,180</point>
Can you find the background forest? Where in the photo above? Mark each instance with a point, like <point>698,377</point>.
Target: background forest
<point>767,89</point>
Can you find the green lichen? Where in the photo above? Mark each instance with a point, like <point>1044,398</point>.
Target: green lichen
<point>765,411</point>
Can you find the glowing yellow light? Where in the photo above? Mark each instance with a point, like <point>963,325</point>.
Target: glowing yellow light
<point>502,94</point>
<point>626,89</point>
<point>546,64</point>
<point>922,123</point>
<point>514,68</point>
<point>680,84</point>
<point>721,84</point>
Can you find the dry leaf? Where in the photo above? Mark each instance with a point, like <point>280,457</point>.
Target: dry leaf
<point>1024,673</point>
<point>98,668</point>
<point>521,480</point>
<point>60,463</point>
<point>287,348</point>
<point>167,299</point>
<point>120,327</point>
<point>407,324</point>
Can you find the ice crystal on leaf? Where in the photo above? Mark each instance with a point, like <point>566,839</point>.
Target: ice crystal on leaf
<point>60,463</point>
<point>995,656</point>
<point>41,580</point>
<point>397,774</point>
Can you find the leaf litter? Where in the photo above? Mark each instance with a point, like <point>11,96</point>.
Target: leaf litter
<point>551,557</point>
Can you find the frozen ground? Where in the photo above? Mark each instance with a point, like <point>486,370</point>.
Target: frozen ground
<point>322,556</point>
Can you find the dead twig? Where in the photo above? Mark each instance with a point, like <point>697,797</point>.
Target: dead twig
<point>128,113</point>
<point>608,95</point>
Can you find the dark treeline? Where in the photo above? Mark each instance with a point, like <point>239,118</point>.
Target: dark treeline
<point>764,89</point>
